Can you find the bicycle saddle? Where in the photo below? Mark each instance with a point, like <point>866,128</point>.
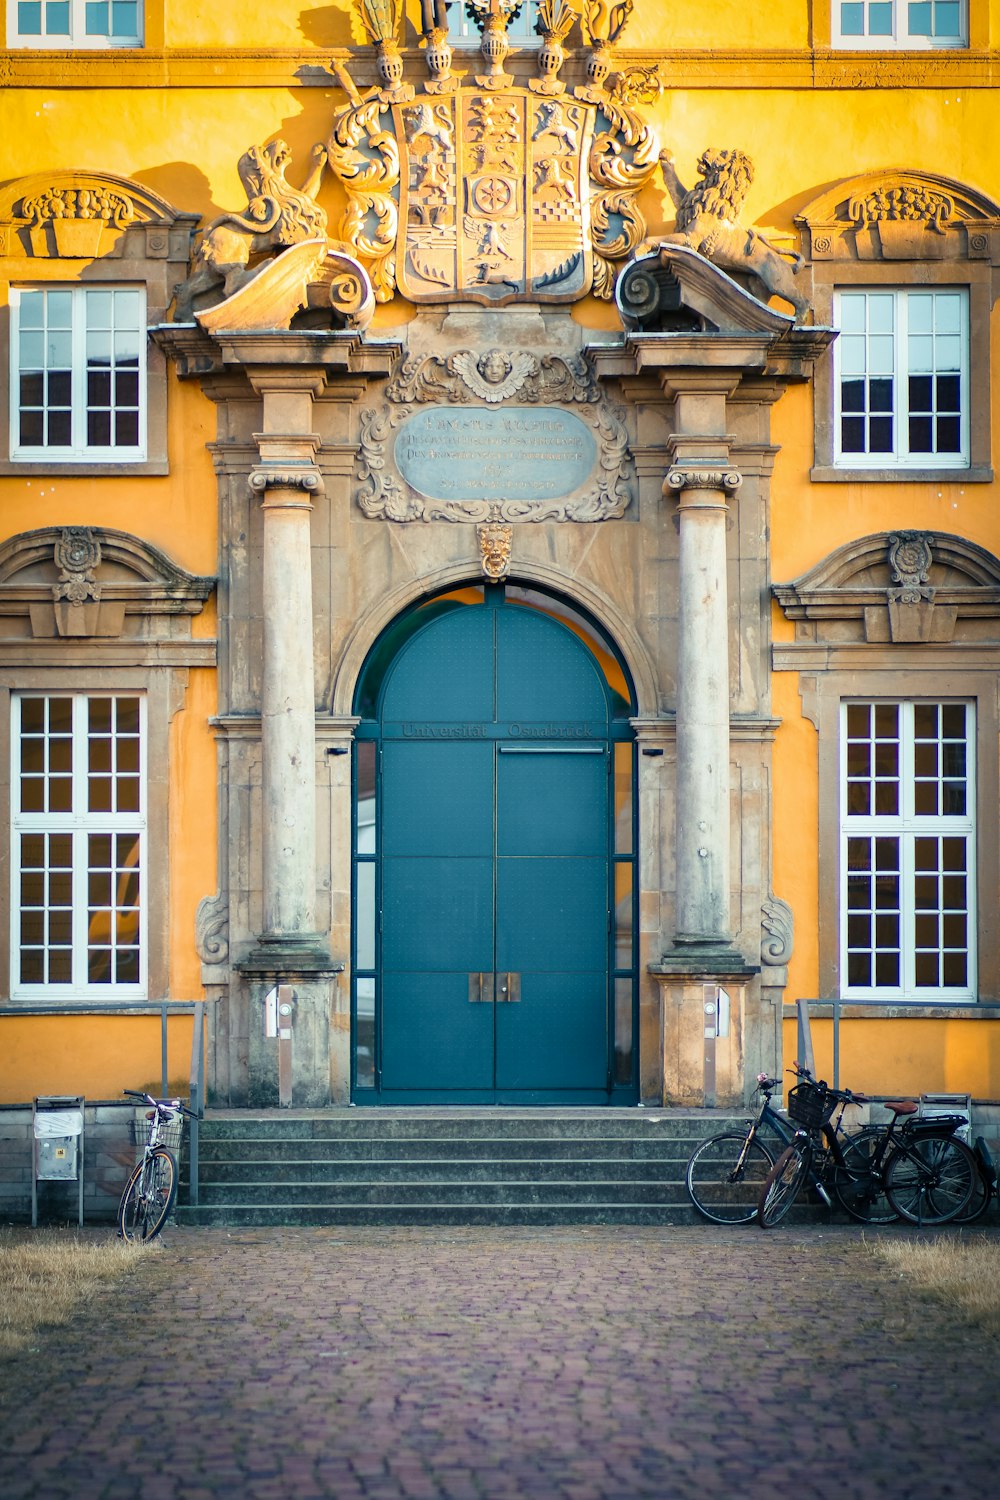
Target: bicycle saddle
<point>901,1106</point>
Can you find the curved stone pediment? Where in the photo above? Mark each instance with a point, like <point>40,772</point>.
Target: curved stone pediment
<point>897,586</point>
<point>901,214</point>
<point>86,581</point>
<point>79,215</point>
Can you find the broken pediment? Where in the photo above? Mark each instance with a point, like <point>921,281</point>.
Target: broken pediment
<point>92,581</point>
<point>676,290</point>
<point>899,214</point>
<point>310,278</point>
<point>79,215</point>
<point>898,586</point>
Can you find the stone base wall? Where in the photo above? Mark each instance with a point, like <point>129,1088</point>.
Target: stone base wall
<point>109,1153</point>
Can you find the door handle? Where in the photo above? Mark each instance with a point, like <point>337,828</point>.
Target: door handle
<point>481,989</point>
<point>509,989</point>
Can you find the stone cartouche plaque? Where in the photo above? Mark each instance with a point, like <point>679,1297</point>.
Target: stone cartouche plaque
<point>476,453</point>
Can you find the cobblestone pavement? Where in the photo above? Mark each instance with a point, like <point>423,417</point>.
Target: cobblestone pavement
<point>481,1364</point>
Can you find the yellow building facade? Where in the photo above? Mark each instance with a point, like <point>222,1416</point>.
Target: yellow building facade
<point>453,582</point>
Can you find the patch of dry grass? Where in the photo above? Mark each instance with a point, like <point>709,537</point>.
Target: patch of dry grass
<point>46,1274</point>
<point>962,1273</point>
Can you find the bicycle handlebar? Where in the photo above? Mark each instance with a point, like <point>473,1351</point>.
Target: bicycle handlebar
<point>846,1096</point>
<point>160,1104</point>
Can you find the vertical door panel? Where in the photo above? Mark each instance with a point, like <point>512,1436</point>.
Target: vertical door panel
<point>552,919</point>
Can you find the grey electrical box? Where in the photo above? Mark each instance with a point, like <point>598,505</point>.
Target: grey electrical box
<point>57,1141</point>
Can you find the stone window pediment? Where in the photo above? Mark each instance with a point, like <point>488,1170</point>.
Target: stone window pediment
<point>899,230</point>
<point>893,587</point>
<point>91,232</point>
<point>82,581</point>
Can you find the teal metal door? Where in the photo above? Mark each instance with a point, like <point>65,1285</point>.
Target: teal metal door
<point>494,865</point>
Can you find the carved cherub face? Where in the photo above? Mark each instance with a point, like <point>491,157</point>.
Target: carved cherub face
<point>494,366</point>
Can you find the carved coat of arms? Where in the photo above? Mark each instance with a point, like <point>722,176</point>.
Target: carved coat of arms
<point>489,191</point>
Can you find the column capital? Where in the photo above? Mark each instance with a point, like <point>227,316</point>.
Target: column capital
<point>680,477</point>
<point>267,477</point>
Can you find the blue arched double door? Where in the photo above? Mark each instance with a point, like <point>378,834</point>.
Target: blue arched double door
<point>489,857</point>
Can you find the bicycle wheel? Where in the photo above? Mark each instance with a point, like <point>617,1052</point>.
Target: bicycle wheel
<point>149,1196</point>
<point>783,1183</point>
<point>859,1189</point>
<point>930,1179</point>
<point>983,1191</point>
<point>725,1176</point>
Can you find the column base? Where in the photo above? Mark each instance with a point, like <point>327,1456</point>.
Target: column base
<point>285,955</point>
<point>703,991</point>
<point>703,956</point>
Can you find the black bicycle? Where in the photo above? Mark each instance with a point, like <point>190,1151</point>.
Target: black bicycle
<point>726,1174</point>
<point>151,1190</point>
<point>919,1169</point>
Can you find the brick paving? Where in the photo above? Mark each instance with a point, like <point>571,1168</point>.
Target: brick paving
<point>482,1364</point>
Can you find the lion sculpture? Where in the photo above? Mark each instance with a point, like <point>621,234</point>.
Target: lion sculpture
<point>277,215</point>
<point>708,221</point>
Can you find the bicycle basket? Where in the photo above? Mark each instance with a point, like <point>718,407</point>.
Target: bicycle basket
<point>809,1105</point>
<point>171,1131</point>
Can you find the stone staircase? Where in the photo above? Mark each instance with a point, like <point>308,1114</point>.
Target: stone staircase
<point>425,1166</point>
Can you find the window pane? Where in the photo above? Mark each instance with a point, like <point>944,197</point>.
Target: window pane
<point>920,18</point>
<point>879,20</point>
<point>852,19</point>
<point>623,1031</point>
<point>366,914</point>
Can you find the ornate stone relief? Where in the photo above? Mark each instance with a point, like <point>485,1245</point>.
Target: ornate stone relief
<point>76,554</point>
<point>277,216</point>
<point>450,444</point>
<point>910,558</point>
<point>82,215</point>
<point>899,587</point>
<point>901,215</point>
<point>495,542</point>
<point>491,192</point>
<point>708,220</point>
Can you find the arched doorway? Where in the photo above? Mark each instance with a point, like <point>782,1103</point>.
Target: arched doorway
<point>494,858</point>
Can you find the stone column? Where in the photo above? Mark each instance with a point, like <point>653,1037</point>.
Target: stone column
<point>289,950</point>
<point>703,977</point>
<point>288,713</point>
<point>702,829</point>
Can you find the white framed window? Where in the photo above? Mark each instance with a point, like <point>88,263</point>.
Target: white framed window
<point>464,32</point>
<point>901,391</point>
<point>889,25</point>
<point>78,857</point>
<point>78,374</point>
<point>908,803</point>
<point>74,23</point>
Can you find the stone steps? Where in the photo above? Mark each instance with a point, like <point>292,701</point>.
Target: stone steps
<point>447,1167</point>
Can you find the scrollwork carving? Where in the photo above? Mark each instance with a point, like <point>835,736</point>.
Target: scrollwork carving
<point>777,922</point>
<point>211,928</point>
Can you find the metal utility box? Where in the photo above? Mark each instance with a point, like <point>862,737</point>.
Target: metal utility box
<point>57,1142</point>
<point>948,1104</point>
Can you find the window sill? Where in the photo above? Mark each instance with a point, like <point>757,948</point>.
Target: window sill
<point>83,469</point>
<point>826,474</point>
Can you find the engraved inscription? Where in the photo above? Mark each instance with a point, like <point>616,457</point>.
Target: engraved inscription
<point>473,453</point>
